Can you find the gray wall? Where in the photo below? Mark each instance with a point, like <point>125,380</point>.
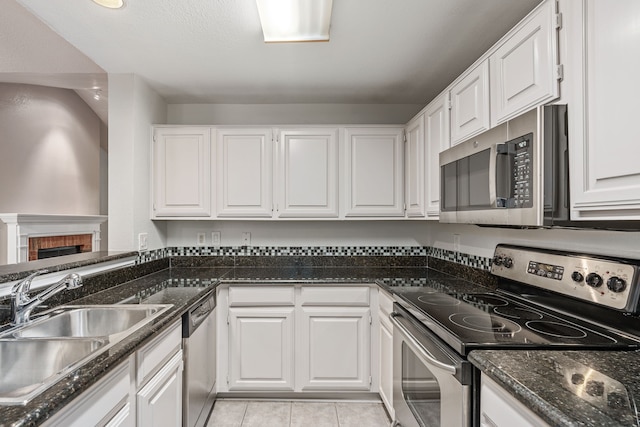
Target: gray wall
<point>49,152</point>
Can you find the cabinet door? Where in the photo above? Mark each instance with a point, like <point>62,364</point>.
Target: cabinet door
<point>603,113</point>
<point>414,156</point>
<point>181,172</point>
<point>307,173</point>
<point>498,408</point>
<point>244,170</point>
<point>160,401</point>
<point>436,140</point>
<point>523,69</point>
<point>386,364</point>
<point>261,348</point>
<point>374,176</point>
<point>334,348</point>
<point>470,104</point>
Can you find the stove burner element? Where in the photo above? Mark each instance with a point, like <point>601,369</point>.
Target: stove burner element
<point>438,299</point>
<point>485,323</point>
<point>555,329</point>
<point>518,313</point>
<point>485,299</point>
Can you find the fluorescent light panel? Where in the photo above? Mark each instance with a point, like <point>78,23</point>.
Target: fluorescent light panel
<point>295,20</point>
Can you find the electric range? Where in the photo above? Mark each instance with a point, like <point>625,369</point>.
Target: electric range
<point>544,299</point>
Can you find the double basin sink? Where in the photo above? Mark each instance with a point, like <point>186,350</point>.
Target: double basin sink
<point>35,355</point>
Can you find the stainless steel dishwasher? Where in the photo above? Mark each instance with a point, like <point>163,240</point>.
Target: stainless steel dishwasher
<point>199,343</point>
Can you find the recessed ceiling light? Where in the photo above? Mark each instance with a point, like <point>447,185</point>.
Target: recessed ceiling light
<point>111,4</point>
<point>295,20</point>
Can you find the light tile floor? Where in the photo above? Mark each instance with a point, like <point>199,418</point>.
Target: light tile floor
<point>251,413</point>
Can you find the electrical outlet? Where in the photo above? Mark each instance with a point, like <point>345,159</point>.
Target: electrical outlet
<point>201,238</point>
<point>142,242</point>
<point>456,243</point>
<point>215,238</point>
<point>246,238</point>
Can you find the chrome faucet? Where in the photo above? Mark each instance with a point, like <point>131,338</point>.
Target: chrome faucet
<point>22,305</point>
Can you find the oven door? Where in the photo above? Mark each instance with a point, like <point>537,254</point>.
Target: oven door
<point>431,383</point>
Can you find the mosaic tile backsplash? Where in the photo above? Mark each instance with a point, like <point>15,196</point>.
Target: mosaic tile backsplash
<point>475,261</point>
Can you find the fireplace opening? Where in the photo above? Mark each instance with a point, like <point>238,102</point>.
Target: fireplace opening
<point>41,247</point>
<point>59,251</point>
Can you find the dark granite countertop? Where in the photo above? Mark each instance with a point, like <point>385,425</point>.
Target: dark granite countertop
<point>73,384</point>
<point>11,272</point>
<point>169,281</point>
<point>569,388</point>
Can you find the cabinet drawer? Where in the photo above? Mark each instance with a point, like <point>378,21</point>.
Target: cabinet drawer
<point>103,402</point>
<point>335,295</point>
<point>152,356</point>
<point>261,296</point>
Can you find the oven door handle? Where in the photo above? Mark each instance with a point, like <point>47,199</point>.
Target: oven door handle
<point>418,346</point>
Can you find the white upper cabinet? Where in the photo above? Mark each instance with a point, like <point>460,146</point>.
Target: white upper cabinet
<point>470,104</point>
<point>374,173</point>
<point>244,172</point>
<point>523,69</point>
<point>181,172</point>
<point>436,140</point>
<point>414,155</point>
<point>603,52</point>
<point>307,171</point>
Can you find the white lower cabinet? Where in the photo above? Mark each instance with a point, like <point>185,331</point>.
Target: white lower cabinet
<point>106,403</point>
<point>145,390</point>
<point>160,400</point>
<point>499,409</point>
<point>159,380</point>
<point>334,348</point>
<point>261,348</point>
<point>295,338</point>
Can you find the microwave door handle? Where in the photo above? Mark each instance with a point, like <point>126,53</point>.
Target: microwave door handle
<point>493,198</point>
<point>503,180</point>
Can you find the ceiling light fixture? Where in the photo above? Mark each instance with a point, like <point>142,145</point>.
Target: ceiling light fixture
<point>295,20</point>
<point>98,94</point>
<point>111,4</point>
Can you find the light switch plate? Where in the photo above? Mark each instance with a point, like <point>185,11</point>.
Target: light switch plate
<point>456,243</point>
<point>215,238</point>
<point>142,242</point>
<point>246,238</point>
<point>201,238</point>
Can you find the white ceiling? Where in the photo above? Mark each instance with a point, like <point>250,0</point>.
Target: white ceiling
<point>211,51</point>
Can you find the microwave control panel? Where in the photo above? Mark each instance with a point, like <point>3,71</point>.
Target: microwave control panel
<point>522,177</point>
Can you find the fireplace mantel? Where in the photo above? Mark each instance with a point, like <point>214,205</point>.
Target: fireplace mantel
<point>16,229</point>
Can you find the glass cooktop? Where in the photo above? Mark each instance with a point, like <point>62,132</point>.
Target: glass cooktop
<point>468,321</point>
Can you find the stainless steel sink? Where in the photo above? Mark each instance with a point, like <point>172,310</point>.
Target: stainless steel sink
<point>35,355</point>
<point>27,367</point>
<point>91,321</point>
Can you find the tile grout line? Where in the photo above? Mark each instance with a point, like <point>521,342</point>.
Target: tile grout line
<point>335,408</point>
<point>244,413</point>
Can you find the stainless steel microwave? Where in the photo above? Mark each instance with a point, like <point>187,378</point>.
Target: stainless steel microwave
<point>515,174</point>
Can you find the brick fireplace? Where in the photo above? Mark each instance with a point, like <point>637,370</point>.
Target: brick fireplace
<point>40,245</point>
<point>23,235</point>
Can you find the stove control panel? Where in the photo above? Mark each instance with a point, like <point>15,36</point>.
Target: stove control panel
<point>601,280</point>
